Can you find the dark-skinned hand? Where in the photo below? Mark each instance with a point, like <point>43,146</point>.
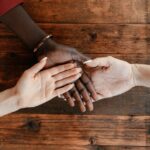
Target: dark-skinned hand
<point>83,93</point>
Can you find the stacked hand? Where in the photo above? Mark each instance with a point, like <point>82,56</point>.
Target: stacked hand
<point>83,93</point>
<point>110,76</point>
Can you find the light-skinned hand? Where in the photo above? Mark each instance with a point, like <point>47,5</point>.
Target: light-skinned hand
<point>36,87</point>
<point>110,76</point>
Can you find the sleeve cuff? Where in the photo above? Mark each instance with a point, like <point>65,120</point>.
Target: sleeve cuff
<point>6,5</point>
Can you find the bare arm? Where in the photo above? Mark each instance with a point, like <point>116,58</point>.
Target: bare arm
<point>142,74</point>
<point>8,102</point>
<point>112,77</point>
<point>36,87</point>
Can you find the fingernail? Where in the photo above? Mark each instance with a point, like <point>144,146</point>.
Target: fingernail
<point>87,61</point>
<point>59,96</point>
<point>72,85</point>
<point>79,75</point>
<point>75,64</point>
<point>43,59</point>
<point>92,100</point>
<point>79,69</point>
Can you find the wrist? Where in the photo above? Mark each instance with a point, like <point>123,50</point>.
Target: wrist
<point>16,97</point>
<point>137,75</point>
<point>45,48</point>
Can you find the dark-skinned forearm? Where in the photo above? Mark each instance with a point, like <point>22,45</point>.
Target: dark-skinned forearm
<point>24,27</point>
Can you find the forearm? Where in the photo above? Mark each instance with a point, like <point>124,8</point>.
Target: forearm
<point>8,102</point>
<point>142,75</point>
<point>21,23</point>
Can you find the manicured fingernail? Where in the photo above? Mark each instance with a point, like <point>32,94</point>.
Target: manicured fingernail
<point>79,69</point>
<point>72,85</point>
<point>43,59</point>
<point>92,100</point>
<point>75,64</point>
<point>79,75</point>
<point>59,96</point>
<point>87,61</point>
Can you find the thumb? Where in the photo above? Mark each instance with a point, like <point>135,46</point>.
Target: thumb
<point>39,66</point>
<point>101,61</point>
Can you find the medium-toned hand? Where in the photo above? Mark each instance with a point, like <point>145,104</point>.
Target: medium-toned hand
<point>59,54</point>
<point>36,87</point>
<point>110,76</point>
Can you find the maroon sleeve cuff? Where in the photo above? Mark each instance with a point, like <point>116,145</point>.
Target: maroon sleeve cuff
<point>6,5</point>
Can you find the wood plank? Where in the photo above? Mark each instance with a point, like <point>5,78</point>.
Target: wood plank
<point>91,38</point>
<point>130,103</point>
<point>148,11</point>
<point>87,11</point>
<point>68,147</point>
<point>77,130</point>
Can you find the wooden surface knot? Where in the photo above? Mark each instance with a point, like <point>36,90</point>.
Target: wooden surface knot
<point>33,125</point>
<point>92,140</point>
<point>93,36</point>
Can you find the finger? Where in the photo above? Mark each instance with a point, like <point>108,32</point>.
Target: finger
<point>37,67</point>
<point>69,99</point>
<point>68,80</point>
<point>102,61</point>
<point>63,90</point>
<point>61,68</point>
<point>85,95</point>
<point>88,84</point>
<point>66,74</point>
<point>78,99</point>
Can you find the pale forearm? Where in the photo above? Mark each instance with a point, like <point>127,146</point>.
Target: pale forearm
<point>142,74</point>
<point>8,102</point>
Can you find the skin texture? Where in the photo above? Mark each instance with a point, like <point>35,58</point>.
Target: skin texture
<point>110,76</point>
<point>83,86</point>
<point>22,25</point>
<point>142,74</point>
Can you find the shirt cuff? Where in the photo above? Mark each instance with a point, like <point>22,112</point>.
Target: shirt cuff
<point>6,5</point>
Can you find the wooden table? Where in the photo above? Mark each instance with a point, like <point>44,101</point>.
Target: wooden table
<point>97,28</point>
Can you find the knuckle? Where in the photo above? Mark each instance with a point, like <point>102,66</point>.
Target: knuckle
<point>71,65</point>
<point>73,71</point>
<point>54,78</point>
<point>55,70</point>
<point>65,67</point>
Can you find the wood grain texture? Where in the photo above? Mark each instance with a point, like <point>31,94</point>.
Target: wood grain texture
<point>97,28</point>
<point>81,130</point>
<point>131,103</point>
<point>88,11</point>
<point>91,38</point>
<point>68,147</point>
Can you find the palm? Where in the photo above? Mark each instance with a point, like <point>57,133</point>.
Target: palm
<point>41,84</point>
<point>112,79</point>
